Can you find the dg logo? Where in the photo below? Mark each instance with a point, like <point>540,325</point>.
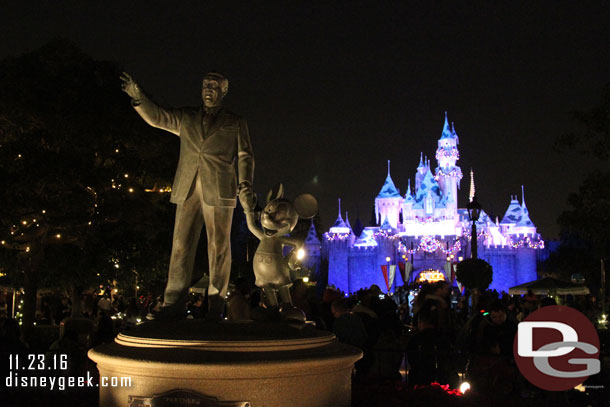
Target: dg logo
<point>557,348</point>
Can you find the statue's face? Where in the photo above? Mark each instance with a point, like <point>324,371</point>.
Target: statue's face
<point>278,218</point>
<point>213,91</point>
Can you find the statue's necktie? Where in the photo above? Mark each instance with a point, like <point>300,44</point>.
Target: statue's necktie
<point>208,120</point>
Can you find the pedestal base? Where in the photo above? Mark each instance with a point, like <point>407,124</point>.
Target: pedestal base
<point>194,363</point>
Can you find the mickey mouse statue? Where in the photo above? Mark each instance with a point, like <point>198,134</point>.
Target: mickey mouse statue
<point>271,267</point>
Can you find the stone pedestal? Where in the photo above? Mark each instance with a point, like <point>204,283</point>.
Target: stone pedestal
<point>246,364</point>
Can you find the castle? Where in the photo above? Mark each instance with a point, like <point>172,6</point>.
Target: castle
<point>422,235</point>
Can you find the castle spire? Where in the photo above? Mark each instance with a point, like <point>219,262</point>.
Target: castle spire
<point>447,133</point>
<point>525,216</point>
<point>347,221</point>
<point>339,226</point>
<point>312,236</point>
<point>421,160</point>
<point>388,168</point>
<point>454,133</point>
<point>472,192</point>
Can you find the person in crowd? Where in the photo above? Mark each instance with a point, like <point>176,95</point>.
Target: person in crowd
<point>349,329</point>
<point>65,309</point>
<point>104,331</point>
<point>330,295</point>
<point>10,337</point>
<point>547,301</point>
<point>347,326</point>
<point>436,296</point>
<point>514,310</point>
<point>238,307</point>
<point>194,307</point>
<point>68,344</point>
<point>104,304</point>
<point>428,351</point>
<point>530,303</point>
<point>300,299</point>
<point>132,314</point>
<point>385,330</point>
<point>496,323</point>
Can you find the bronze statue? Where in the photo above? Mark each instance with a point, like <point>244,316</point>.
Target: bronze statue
<point>205,186</point>
<point>271,267</point>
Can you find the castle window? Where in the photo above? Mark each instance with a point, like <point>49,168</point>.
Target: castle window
<point>429,208</point>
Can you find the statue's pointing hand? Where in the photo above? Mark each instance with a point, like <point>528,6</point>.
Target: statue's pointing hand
<point>130,87</point>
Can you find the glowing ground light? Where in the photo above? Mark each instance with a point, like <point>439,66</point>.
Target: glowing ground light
<point>464,387</point>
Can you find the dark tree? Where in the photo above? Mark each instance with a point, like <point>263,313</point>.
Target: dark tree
<point>585,235</point>
<point>75,166</point>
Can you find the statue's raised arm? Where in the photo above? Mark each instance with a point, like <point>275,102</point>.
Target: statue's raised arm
<point>130,87</point>
<point>168,119</point>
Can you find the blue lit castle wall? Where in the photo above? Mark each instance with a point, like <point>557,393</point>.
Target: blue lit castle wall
<point>433,233</point>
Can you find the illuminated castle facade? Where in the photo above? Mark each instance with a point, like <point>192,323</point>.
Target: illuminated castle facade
<point>423,233</point>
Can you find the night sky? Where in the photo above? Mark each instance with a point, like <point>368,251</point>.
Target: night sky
<point>331,91</point>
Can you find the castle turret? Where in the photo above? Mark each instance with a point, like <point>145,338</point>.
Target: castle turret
<point>524,226</point>
<point>347,222</point>
<point>420,172</point>
<point>388,203</point>
<point>339,227</point>
<point>448,174</point>
<point>428,194</point>
<point>512,216</point>
<point>407,205</point>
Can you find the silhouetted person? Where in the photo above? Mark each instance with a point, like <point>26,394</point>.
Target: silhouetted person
<point>428,351</point>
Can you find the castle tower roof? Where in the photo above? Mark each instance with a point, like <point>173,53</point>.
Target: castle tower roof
<point>339,226</point>
<point>421,161</point>
<point>347,221</point>
<point>312,236</point>
<point>385,225</point>
<point>447,132</point>
<point>428,184</point>
<point>408,195</point>
<point>525,216</point>
<point>388,190</point>
<point>513,213</point>
<point>454,134</point>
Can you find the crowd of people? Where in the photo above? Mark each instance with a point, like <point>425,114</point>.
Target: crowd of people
<point>419,334</point>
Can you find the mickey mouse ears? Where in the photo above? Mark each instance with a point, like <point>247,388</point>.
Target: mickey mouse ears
<point>306,206</point>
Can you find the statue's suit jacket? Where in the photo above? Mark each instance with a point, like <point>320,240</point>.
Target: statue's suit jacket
<point>210,156</point>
